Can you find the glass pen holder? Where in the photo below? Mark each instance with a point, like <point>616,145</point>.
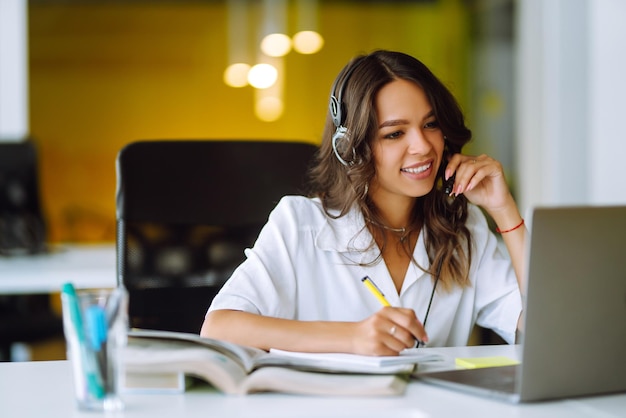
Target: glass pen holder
<point>95,324</point>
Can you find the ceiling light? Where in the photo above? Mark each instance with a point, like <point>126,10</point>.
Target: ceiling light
<point>269,108</point>
<point>262,76</point>
<point>276,45</point>
<point>236,75</point>
<point>307,42</point>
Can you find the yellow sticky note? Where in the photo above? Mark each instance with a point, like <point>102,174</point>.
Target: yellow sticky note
<point>477,362</point>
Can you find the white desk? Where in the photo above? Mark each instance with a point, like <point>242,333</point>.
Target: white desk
<point>87,266</point>
<point>44,389</point>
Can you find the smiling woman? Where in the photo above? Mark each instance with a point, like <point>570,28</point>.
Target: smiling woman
<point>377,208</point>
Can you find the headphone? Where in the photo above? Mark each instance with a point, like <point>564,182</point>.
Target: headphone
<point>337,113</point>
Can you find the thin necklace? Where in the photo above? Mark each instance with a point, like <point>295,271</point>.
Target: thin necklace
<point>401,231</point>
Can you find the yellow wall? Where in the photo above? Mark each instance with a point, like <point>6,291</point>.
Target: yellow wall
<point>104,74</point>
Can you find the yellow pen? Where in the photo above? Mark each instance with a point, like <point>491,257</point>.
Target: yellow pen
<point>379,295</point>
<point>375,290</point>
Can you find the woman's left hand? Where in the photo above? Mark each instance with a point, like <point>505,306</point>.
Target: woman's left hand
<point>481,179</point>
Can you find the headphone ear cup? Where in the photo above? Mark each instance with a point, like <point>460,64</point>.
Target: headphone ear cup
<point>340,139</point>
<point>335,111</point>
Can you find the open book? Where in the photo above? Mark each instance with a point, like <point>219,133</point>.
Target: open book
<point>160,360</point>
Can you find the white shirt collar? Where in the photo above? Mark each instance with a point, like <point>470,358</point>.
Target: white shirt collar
<point>344,234</point>
<point>348,234</point>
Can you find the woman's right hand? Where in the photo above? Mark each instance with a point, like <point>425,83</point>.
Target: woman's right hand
<point>387,332</point>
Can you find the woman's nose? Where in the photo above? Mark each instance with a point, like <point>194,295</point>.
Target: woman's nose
<point>418,143</point>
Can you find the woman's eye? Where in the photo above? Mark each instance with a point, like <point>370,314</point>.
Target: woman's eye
<point>431,125</point>
<point>393,135</point>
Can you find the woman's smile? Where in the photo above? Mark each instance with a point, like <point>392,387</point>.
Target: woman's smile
<point>418,171</point>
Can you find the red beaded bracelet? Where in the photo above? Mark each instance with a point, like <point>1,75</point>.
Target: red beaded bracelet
<point>512,229</point>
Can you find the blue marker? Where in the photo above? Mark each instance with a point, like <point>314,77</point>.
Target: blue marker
<point>96,327</point>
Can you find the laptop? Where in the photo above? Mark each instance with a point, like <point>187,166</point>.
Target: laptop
<point>574,340</point>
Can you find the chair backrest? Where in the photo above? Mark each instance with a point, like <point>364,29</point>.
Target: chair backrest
<point>22,225</point>
<point>186,210</point>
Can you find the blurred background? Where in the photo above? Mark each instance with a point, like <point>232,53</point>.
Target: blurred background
<point>102,73</point>
<point>541,83</point>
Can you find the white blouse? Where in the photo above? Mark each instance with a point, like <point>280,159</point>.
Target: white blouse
<point>305,266</point>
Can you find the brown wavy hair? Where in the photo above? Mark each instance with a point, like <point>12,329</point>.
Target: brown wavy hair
<point>340,187</point>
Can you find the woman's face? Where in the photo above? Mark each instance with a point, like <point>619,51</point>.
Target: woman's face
<point>408,147</point>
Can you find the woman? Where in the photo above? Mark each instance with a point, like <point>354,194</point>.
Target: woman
<point>378,208</point>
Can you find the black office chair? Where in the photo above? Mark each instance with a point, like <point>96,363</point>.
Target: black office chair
<point>23,318</point>
<point>22,226</point>
<point>185,212</point>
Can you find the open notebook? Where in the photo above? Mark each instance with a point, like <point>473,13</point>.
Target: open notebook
<point>575,312</point>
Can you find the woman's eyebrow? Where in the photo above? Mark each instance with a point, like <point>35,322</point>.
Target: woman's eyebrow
<point>396,122</point>
<point>393,122</point>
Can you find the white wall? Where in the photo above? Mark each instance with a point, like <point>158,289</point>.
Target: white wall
<point>570,88</point>
<point>607,87</point>
<point>13,70</point>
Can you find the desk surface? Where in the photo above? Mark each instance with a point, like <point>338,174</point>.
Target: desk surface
<point>37,389</point>
<point>87,266</point>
